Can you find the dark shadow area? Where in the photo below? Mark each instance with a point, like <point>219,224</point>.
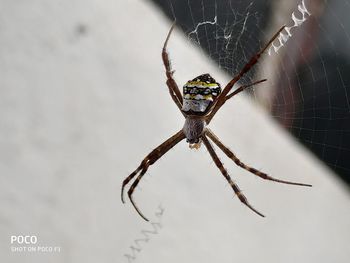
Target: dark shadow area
<point>320,116</point>
<point>322,122</point>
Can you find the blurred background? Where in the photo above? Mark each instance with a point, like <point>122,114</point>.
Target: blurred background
<point>83,99</point>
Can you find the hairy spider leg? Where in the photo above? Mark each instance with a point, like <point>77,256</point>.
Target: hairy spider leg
<point>224,172</point>
<point>132,175</point>
<point>254,171</point>
<point>242,88</point>
<point>222,97</point>
<point>150,159</point>
<point>171,83</point>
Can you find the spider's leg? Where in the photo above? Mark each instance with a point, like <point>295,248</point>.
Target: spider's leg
<point>233,157</point>
<point>224,172</point>
<point>131,176</point>
<point>164,147</point>
<point>150,159</point>
<point>132,188</point>
<point>222,97</point>
<point>242,88</point>
<point>171,83</point>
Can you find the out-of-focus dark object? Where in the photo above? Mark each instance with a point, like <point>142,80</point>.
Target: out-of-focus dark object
<point>322,120</point>
<point>312,84</point>
<point>308,87</point>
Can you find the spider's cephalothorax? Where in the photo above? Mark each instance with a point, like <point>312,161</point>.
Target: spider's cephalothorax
<point>202,98</point>
<point>199,94</point>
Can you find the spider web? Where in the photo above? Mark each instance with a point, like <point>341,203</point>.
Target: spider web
<point>308,88</point>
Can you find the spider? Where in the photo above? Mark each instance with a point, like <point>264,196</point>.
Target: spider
<point>202,98</point>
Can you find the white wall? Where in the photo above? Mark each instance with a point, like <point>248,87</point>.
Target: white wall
<point>83,100</point>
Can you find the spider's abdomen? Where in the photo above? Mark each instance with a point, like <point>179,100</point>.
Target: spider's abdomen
<point>199,93</point>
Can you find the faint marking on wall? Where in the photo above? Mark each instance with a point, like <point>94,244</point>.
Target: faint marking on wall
<point>145,236</point>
